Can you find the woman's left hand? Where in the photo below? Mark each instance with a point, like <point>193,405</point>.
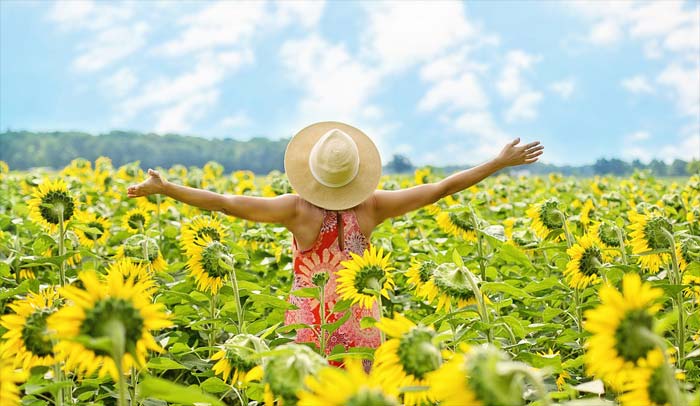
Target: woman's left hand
<point>512,155</point>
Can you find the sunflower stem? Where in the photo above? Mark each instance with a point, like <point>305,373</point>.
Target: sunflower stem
<point>671,386</point>
<point>479,246</point>
<point>212,314</point>
<point>680,333</point>
<point>237,296</point>
<point>567,233</point>
<point>322,313</point>
<point>577,303</point>
<point>382,336</point>
<point>481,303</point>
<point>58,377</point>
<point>534,378</point>
<point>117,334</point>
<point>61,248</point>
<point>622,245</point>
<point>160,229</point>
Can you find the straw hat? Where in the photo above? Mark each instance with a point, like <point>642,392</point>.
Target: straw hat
<point>332,165</point>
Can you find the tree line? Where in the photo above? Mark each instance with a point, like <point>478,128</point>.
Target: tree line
<point>25,149</point>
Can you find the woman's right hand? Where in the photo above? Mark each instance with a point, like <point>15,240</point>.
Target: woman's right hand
<point>154,184</point>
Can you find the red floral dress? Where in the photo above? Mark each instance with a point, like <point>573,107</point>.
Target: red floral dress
<point>325,256</point>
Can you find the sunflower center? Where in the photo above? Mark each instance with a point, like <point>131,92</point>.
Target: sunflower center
<point>629,344</point>
<point>608,235</point>
<point>238,360</point>
<point>208,231</point>
<point>369,277</point>
<point>655,236</point>
<point>656,388</point>
<point>452,282</point>
<point>550,217</point>
<point>417,353</point>
<point>95,323</point>
<point>461,221</point>
<point>136,221</point>
<point>54,204</point>
<point>94,236</point>
<point>425,272</point>
<point>211,255</point>
<point>590,261</point>
<point>34,333</point>
<point>369,397</point>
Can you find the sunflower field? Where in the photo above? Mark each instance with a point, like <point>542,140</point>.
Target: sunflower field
<point>517,291</point>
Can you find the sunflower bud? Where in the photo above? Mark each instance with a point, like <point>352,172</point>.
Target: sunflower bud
<point>285,373</point>
<point>493,382</point>
<point>320,279</point>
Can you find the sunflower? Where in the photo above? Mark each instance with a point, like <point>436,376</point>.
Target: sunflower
<point>351,386</point>
<point>205,264</point>
<point>450,383</point>
<point>647,386</point>
<point>9,378</point>
<point>457,224</point>
<point>199,227</point>
<point>142,249</point>
<point>134,271</point>
<point>150,203</point>
<point>420,275</point>
<point>100,225</point>
<point>617,324</point>
<point>238,362</point>
<point>606,233</point>
<point>51,202</point>
<point>26,338</point>
<point>451,284</point>
<point>136,220</point>
<point>371,270</point>
<point>587,256</point>
<point>686,252</point>
<point>546,218</point>
<point>422,175</point>
<point>693,289</point>
<point>92,314</point>
<point>648,234</point>
<point>407,358</point>
<point>586,210</point>
<point>285,372</point>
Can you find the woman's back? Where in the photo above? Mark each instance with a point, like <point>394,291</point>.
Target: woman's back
<point>326,255</point>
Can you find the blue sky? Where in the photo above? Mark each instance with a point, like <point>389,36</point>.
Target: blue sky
<point>441,82</point>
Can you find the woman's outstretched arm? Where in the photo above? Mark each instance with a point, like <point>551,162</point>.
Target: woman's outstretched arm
<point>395,203</point>
<point>280,209</point>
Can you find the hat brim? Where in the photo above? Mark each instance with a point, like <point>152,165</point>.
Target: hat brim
<point>296,165</point>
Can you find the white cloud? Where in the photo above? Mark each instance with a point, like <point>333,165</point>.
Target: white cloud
<point>451,65</point>
<point>564,88</point>
<point>511,83</point>
<point>637,84</point>
<point>120,83</point>
<point>464,92</point>
<point>637,136</point>
<point>306,13</point>
<point>179,116</point>
<point>400,34</point>
<point>524,107</point>
<point>182,99</point>
<point>687,148</point>
<point>336,86</point>
<point>111,45</point>
<point>218,24</point>
<point>684,84</point>
<point>606,32</point>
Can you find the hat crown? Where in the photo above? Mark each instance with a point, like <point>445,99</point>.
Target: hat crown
<point>334,160</point>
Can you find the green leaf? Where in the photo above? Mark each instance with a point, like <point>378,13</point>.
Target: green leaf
<point>292,327</point>
<point>331,327</point>
<point>176,393</point>
<point>457,259</point>
<point>512,254</point>
<point>504,288</point>
<point>270,301</point>
<point>342,305</point>
<point>541,361</point>
<point>164,364</point>
<point>368,322</point>
<point>215,385</point>
<point>306,292</point>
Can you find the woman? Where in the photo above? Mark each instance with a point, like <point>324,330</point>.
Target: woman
<point>335,169</point>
